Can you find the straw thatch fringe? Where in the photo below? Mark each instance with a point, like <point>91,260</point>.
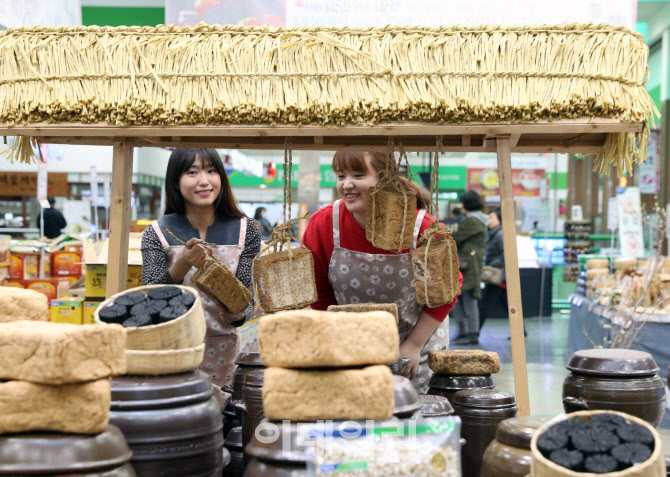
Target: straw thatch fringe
<point>332,76</point>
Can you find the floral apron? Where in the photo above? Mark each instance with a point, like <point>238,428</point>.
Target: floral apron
<point>222,339</point>
<point>358,277</point>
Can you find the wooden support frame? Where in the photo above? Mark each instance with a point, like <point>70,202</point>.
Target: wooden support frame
<point>512,275</point>
<point>119,217</point>
<point>584,135</point>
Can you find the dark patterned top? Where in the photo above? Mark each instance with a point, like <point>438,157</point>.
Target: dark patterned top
<point>224,231</point>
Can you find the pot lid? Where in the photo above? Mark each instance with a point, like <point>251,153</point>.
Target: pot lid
<point>234,438</point>
<point>454,382</point>
<point>406,398</point>
<point>434,406</point>
<point>484,398</point>
<point>255,378</point>
<point>62,453</point>
<point>153,392</point>
<point>612,362</point>
<point>146,426</point>
<point>518,431</point>
<point>249,359</point>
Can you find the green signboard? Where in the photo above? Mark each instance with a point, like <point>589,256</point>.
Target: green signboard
<point>451,177</point>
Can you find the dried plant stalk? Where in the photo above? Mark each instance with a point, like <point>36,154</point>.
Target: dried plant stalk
<point>170,75</point>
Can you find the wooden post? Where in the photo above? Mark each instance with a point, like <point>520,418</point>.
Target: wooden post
<point>119,217</point>
<point>512,273</point>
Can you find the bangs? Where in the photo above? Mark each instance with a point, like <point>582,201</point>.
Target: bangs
<point>350,161</point>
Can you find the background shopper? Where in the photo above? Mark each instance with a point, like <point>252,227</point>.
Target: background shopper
<point>471,242</point>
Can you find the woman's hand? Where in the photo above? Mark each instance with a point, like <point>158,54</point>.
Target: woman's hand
<point>194,254</point>
<point>411,351</point>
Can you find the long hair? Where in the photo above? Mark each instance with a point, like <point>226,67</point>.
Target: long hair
<point>180,161</point>
<point>355,161</point>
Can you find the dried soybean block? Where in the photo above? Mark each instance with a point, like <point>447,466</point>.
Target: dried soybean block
<point>19,304</point>
<point>390,218</point>
<point>365,307</point>
<point>305,395</point>
<point>436,274</point>
<point>311,338</point>
<point>73,408</point>
<point>471,362</point>
<point>285,280</point>
<point>221,284</point>
<point>60,353</point>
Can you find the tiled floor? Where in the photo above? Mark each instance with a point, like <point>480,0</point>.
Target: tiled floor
<point>545,358</point>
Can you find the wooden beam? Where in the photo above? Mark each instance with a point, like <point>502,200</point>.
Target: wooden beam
<point>564,126</point>
<point>512,274</point>
<point>466,140</point>
<point>590,144</point>
<point>514,139</point>
<point>119,217</point>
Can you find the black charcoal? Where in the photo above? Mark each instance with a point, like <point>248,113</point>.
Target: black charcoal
<point>568,426</point>
<point>139,320</point>
<point>600,464</point>
<point>170,313</point>
<point>185,299</point>
<point>635,433</point>
<point>113,313</point>
<point>164,293</point>
<point>606,422</point>
<point>152,307</point>
<point>584,442</point>
<point>130,299</point>
<point>630,453</point>
<point>570,459</point>
<point>550,441</point>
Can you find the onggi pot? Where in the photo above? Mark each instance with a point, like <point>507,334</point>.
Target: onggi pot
<point>172,423</point>
<point>621,380</point>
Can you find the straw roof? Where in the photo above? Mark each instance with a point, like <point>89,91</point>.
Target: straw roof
<point>171,75</point>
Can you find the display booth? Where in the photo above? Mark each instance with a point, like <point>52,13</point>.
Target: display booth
<point>544,89</point>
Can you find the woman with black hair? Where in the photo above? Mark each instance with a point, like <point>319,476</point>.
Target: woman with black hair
<point>200,206</point>
<point>495,257</point>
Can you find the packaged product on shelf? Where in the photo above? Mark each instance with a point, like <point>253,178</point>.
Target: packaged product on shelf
<point>67,310</point>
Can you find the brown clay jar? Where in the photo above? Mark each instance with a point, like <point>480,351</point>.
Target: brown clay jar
<point>509,454</point>
<point>480,410</point>
<point>615,379</point>
<point>234,445</point>
<point>449,384</point>
<point>172,423</point>
<point>245,362</point>
<point>253,406</point>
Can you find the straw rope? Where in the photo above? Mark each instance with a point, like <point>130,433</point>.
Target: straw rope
<point>388,178</point>
<point>282,235</point>
<point>170,75</point>
<point>435,232</point>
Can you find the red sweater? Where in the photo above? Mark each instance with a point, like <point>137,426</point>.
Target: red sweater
<point>319,239</point>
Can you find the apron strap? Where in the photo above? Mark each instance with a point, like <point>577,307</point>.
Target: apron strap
<point>417,226</point>
<point>159,232</point>
<point>243,230</point>
<point>336,223</point>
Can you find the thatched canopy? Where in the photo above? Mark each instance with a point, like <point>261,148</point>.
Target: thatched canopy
<point>331,76</point>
